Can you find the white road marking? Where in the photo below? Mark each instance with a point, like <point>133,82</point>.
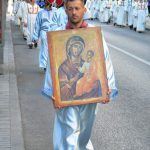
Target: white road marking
<point>129,54</point>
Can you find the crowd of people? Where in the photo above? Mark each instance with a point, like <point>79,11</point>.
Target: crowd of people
<point>35,21</point>
<point>73,124</point>
<point>132,13</point>
<point>123,13</point>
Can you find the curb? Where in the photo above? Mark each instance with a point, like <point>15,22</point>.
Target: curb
<point>148,23</point>
<point>16,134</point>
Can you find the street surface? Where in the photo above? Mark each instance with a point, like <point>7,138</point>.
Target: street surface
<point>123,124</point>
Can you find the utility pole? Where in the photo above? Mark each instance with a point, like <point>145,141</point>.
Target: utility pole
<point>3,8</point>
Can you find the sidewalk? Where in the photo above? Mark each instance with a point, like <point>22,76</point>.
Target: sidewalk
<point>11,137</point>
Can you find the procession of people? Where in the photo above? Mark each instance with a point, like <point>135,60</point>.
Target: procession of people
<point>35,18</point>
<point>73,124</point>
<point>123,13</point>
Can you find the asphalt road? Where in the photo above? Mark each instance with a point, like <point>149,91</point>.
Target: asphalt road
<point>123,124</point>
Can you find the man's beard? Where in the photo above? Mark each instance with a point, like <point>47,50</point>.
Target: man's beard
<point>75,21</point>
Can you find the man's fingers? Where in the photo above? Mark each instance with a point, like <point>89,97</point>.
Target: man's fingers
<point>105,101</point>
<point>53,99</point>
<point>109,92</point>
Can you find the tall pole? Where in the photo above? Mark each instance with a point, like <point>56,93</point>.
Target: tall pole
<point>0,21</point>
<point>3,8</point>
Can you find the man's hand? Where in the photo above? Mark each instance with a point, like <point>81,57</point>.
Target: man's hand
<point>107,100</point>
<point>53,99</point>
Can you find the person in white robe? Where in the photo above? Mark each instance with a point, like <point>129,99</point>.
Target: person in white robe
<point>101,11</point>
<point>135,14</point>
<point>104,11</point>
<point>130,13</point>
<point>10,7</point>
<point>92,4</point>
<point>15,10</point>
<point>141,16</point>
<point>126,12</point>
<point>114,9</point>
<point>88,4</point>
<point>107,11</point>
<point>94,9</point>
<point>60,17</point>
<point>88,14</point>
<point>42,25</point>
<point>21,14</point>
<point>29,21</point>
<point>73,124</point>
<point>121,19</point>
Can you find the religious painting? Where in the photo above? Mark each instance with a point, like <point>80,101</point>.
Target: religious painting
<point>77,66</point>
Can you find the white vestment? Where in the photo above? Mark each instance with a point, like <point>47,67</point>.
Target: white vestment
<point>121,20</point>
<point>135,14</point>
<point>29,19</point>
<point>114,10</point>
<point>42,25</point>
<point>22,11</point>
<point>73,124</point>
<point>142,14</point>
<point>15,10</point>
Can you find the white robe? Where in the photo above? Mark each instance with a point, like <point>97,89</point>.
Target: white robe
<point>114,10</point>
<point>107,11</point>
<point>130,12</point>
<point>104,14</point>
<point>135,14</point>
<point>142,14</point>
<point>10,7</point>
<point>121,14</point>
<point>15,10</point>
<point>101,11</point>
<point>29,19</point>
<point>87,14</point>
<point>94,9</point>
<point>60,18</point>
<point>88,4</point>
<point>92,6</point>
<point>42,25</point>
<point>73,124</point>
<point>126,12</point>
<point>22,11</point>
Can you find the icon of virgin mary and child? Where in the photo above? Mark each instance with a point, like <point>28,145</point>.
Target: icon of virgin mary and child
<point>78,78</point>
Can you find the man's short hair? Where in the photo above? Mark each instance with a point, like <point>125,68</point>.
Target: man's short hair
<point>66,1</point>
